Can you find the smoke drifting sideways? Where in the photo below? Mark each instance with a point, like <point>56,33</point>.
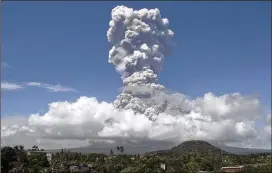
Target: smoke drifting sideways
<point>144,111</point>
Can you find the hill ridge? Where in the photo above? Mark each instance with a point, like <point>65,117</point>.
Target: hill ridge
<point>199,146</point>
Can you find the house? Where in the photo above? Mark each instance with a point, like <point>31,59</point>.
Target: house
<point>49,157</point>
<point>163,166</point>
<point>109,157</point>
<point>79,168</point>
<point>233,169</point>
<point>74,168</point>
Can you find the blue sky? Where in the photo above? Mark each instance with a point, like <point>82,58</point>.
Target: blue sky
<point>220,48</point>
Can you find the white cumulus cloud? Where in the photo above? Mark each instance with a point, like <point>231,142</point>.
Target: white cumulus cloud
<point>87,119</point>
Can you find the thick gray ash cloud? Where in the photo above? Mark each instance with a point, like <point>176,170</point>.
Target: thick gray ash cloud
<point>141,40</point>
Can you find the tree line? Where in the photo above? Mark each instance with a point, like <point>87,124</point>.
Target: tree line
<point>16,160</point>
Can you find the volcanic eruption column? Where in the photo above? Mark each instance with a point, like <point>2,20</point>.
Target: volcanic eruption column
<point>141,39</point>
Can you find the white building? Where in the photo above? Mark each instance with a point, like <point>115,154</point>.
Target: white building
<point>79,168</point>
<point>163,166</point>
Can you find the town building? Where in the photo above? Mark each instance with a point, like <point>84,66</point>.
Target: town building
<point>82,168</point>
<point>233,169</point>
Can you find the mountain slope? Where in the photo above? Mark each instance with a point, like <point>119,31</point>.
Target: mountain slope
<point>188,146</point>
<point>236,150</point>
<point>196,146</point>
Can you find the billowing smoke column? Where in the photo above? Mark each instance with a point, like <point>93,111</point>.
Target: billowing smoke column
<point>141,40</point>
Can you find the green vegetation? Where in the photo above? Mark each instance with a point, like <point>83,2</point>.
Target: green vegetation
<point>189,157</point>
<point>16,160</point>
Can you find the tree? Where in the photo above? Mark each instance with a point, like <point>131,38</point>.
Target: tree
<point>21,147</point>
<point>35,148</point>
<point>8,157</point>
<point>111,152</point>
<point>22,159</point>
<point>191,167</point>
<point>206,165</point>
<point>38,161</point>
<point>121,149</point>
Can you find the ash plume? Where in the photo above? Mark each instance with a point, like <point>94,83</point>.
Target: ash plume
<point>141,39</point>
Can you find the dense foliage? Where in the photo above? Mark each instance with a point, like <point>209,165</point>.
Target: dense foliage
<point>16,159</point>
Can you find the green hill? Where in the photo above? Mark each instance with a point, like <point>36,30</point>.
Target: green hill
<point>196,146</point>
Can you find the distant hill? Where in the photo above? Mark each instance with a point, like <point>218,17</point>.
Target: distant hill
<point>237,150</point>
<point>187,146</point>
<point>211,146</point>
<point>128,149</point>
<point>194,146</point>
<point>197,146</point>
